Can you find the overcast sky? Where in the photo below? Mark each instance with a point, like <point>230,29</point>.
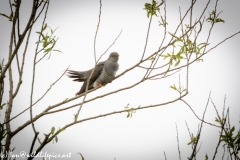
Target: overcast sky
<point>150,132</point>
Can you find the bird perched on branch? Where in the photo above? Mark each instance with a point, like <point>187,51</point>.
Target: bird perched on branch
<point>103,74</point>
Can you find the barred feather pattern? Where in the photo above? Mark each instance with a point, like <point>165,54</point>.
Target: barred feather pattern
<point>103,79</point>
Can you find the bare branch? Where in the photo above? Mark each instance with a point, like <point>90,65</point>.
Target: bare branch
<point>146,42</point>
<point>197,116</point>
<point>33,142</point>
<point>116,112</point>
<point>40,97</point>
<point>179,153</point>
<point>98,25</point>
<point>21,38</point>
<point>199,132</point>
<point>165,156</point>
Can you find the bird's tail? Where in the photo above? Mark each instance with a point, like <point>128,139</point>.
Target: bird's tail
<point>77,75</point>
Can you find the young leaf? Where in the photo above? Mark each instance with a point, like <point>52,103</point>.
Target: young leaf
<point>52,130</point>
<point>74,117</point>
<point>66,100</point>
<point>11,17</point>
<point>173,35</point>
<point>200,27</point>
<point>41,34</point>
<point>81,155</point>
<point>128,115</point>
<point>1,107</point>
<point>57,50</point>
<point>4,15</point>
<point>219,20</point>
<point>56,139</point>
<point>44,27</point>
<point>48,50</point>
<point>206,157</point>
<point>173,87</point>
<point>46,42</point>
<point>177,62</point>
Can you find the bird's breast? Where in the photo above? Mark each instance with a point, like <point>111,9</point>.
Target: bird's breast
<point>111,69</point>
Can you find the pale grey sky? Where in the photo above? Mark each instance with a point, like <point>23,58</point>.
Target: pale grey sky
<point>149,132</point>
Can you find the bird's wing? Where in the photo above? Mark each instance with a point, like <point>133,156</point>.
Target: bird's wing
<point>77,75</point>
<point>97,72</point>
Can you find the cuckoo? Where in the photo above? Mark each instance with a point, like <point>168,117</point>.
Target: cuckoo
<point>103,74</point>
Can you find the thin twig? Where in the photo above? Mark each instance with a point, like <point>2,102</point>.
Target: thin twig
<point>199,132</point>
<point>95,60</point>
<point>115,112</point>
<point>127,70</point>
<point>179,153</point>
<point>165,155</point>
<point>34,72</point>
<point>146,42</point>
<point>210,30</point>
<point>197,116</point>
<point>40,97</point>
<point>23,62</point>
<point>95,37</point>
<point>154,67</point>
<point>21,38</point>
<point>33,142</point>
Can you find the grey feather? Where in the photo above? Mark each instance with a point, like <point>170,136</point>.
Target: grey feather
<point>103,74</point>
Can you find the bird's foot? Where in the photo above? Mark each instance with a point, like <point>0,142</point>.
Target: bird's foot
<point>100,85</point>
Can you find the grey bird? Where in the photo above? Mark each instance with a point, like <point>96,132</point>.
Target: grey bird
<point>103,74</point>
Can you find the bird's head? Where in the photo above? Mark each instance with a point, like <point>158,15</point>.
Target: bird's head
<point>114,56</point>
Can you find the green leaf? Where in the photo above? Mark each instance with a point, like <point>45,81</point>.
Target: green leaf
<point>128,115</point>
<point>11,16</point>
<point>209,19</point>
<point>232,129</point>
<point>48,50</point>
<point>199,60</point>
<point>173,35</point>
<point>184,90</point>
<point>2,106</point>
<point>173,87</point>
<point>57,50</point>
<point>3,62</point>
<point>51,30</point>
<point>41,34</point>
<point>166,71</point>
<point>200,27</point>
<point>126,107</point>
<point>52,130</point>
<point>54,30</point>
<point>81,155</point>
<point>46,42</point>
<point>44,27</point>
<point>151,8</point>
<point>219,20</point>
<point>56,139</point>
<point>4,15</point>
<point>170,62</point>
<point>206,157</point>
<point>66,100</point>
<point>203,45</point>
<point>177,62</point>
<point>75,117</point>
